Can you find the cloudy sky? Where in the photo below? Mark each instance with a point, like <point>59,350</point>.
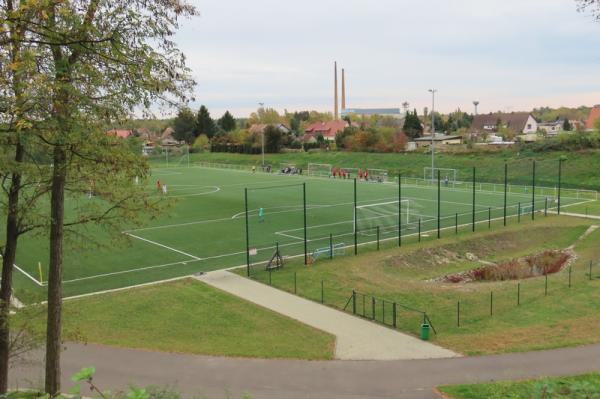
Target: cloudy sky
<point>508,54</point>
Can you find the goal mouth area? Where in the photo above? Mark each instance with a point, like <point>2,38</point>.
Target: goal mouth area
<point>383,216</point>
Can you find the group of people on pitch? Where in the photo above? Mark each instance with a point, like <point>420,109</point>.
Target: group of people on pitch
<point>362,174</point>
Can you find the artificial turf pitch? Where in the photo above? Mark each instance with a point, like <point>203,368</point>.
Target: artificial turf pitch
<point>206,227</point>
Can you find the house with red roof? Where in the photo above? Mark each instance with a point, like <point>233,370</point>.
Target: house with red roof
<point>326,129</point>
<point>122,133</point>
<point>593,118</point>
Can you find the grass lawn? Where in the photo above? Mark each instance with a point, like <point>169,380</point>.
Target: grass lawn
<point>579,171</point>
<point>565,317</point>
<point>589,208</point>
<point>190,317</point>
<point>581,386</point>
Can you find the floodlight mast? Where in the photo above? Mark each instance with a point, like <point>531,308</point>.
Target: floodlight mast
<point>262,105</point>
<point>432,91</point>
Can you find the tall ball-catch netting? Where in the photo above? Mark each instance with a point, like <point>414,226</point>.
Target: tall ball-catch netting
<point>385,216</point>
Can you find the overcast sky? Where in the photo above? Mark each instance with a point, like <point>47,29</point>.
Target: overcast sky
<point>508,54</point>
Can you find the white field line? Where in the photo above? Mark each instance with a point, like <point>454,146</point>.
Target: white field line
<point>164,246</point>
<point>27,274</point>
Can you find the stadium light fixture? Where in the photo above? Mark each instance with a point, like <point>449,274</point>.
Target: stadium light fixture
<point>432,91</point>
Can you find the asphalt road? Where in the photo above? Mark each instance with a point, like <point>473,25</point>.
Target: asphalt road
<point>216,377</point>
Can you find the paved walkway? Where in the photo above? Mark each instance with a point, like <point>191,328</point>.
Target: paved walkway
<point>579,215</point>
<point>356,338</point>
<point>218,378</point>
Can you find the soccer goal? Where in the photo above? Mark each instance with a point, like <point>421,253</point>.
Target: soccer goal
<point>319,169</point>
<point>446,174</point>
<point>383,215</point>
<point>351,173</point>
<point>380,175</point>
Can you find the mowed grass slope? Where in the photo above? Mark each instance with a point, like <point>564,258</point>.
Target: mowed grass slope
<point>566,316</point>
<point>189,317</point>
<point>581,386</point>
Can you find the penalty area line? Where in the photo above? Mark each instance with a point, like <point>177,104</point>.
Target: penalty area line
<point>164,246</point>
<point>27,275</point>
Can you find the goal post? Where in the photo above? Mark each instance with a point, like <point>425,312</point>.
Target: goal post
<point>450,174</point>
<point>378,174</point>
<point>319,169</point>
<point>383,215</point>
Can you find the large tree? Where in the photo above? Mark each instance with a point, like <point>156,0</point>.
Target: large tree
<point>204,123</point>
<point>97,61</point>
<point>184,125</point>
<point>227,122</point>
<point>412,125</point>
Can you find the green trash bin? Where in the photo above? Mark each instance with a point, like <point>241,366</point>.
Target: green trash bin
<point>425,332</point>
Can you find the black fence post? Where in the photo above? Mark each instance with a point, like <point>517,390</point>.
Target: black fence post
<point>355,223</point>
<point>378,238</point>
<point>473,200</point>
<point>305,227</point>
<point>330,246</point>
<point>439,200</point>
<point>383,311</point>
<point>590,270</point>
<point>518,294</point>
<point>419,229</point>
<point>373,307</point>
<point>519,212</point>
<point>560,161</point>
<point>400,210</point>
<point>491,303</point>
<point>353,302</point>
<point>569,276</point>
<point>489,217</point>
<point>247,234</point>
<point>533,194</point>
<point>458,314</point>
<point>546,286</point>
<point>456,223</point>
<point>364,305</point>
<point>295,283</point>
<point>505,189</point>
<point>270,281</point>
<point>394,314</point>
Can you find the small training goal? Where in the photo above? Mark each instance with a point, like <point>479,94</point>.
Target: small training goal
<point>319,169</point>
<point>446,175</point>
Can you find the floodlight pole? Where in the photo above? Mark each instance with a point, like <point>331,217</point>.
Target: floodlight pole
<point>247,233</point>
<point>432,91</point>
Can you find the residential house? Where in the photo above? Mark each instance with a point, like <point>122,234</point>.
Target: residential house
<point>438,139</point>
<point>122,133</point>
<point>592,118</point>
<point>551,128</point>
<point>518,122</point>
<point>167,139</point>
<point>326,129</point>
<point>259,128</point>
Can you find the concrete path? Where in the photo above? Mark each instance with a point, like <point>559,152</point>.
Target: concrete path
<point>356,338</point>
<point>220,378</point>
<point>578,215</point>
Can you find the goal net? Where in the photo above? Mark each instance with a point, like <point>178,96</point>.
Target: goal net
<point>319,169</point>
<point>446,174</point>
<point>350,173</point>
<point>378,174</point>
<point>383,215</point>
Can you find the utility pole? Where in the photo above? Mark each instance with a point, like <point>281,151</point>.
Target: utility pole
<point>432,91</point>
<point>262,106</point>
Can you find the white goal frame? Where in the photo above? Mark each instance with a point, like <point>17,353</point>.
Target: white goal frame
<point>405,201</point>
<point>447,171</point>
<point>312,166</point>
<point>383,173</point>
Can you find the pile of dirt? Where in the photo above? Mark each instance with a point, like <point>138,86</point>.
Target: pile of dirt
<point>546,262</point>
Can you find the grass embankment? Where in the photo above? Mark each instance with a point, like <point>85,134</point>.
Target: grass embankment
<point>565,317</point>
<point>579,171</point>
<point>588,208</point>
<point>581,386</point>
<point>190,317</point>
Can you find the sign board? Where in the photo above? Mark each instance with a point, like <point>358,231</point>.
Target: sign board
<point>252,251</point>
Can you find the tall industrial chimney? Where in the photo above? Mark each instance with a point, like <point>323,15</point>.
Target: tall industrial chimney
<point>335,96</point>
<point>343,90</point>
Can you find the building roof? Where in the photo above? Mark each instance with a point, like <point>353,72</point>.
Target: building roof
<point>167,133</point>
<point>438,137</point>
<point>372,111</point>
<point>515,120</point>
<point>260,127</point>
<point>593,117</point>
<point>123,133</point>
<point>326,129</point>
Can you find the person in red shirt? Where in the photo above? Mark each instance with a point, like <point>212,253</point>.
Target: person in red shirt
<point>158,186</point>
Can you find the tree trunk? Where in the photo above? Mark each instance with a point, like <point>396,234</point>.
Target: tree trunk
<point>53,329</point>
<point>8,260</point>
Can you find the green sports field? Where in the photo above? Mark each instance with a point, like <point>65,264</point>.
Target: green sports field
<point>205,228</point>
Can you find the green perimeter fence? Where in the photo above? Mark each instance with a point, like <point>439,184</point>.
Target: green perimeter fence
<point>454,312</point>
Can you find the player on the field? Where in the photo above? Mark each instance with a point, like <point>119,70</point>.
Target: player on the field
<point>261,215</point>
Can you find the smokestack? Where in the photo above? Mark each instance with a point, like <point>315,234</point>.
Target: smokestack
<point>343,90</point>
<point>335,84</point>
